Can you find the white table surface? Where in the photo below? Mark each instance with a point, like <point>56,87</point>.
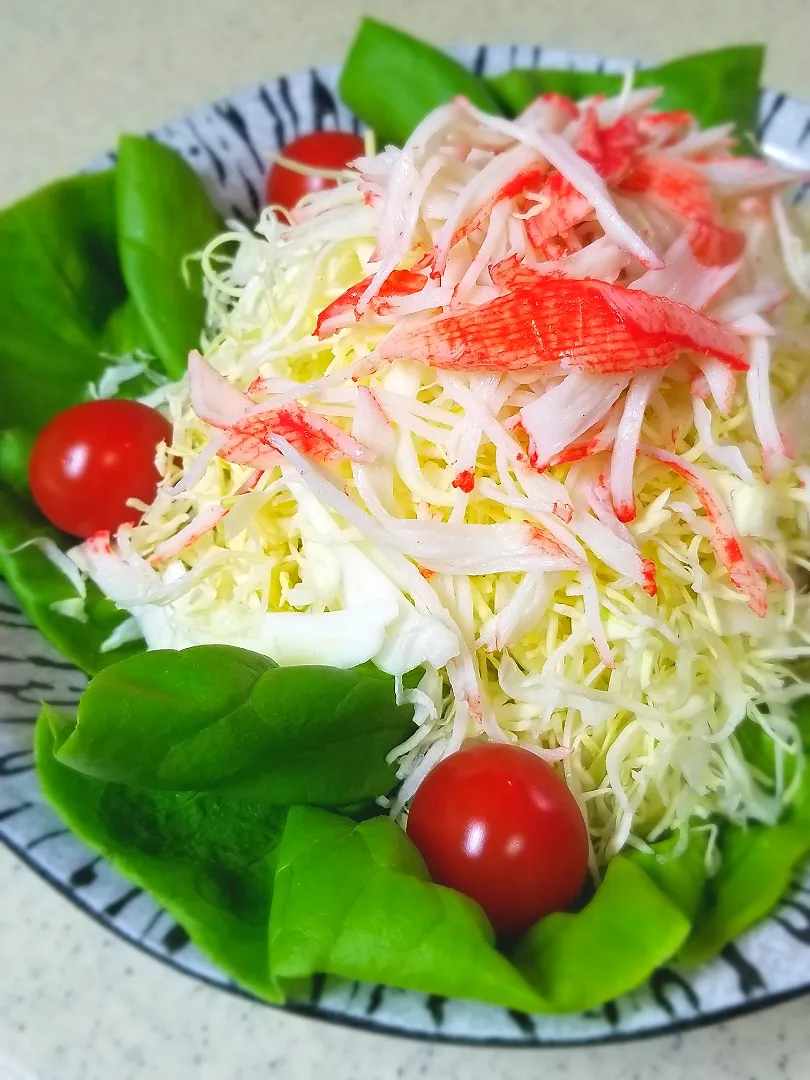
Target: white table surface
<point>75,1002</point>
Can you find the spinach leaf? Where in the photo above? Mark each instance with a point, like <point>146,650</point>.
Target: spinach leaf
<point>354,900</point>
<point>62,297</point>
<point>223,718</point>
<point>716,86</point>
<point>611,946</point>
<point>758,862</point>
<point>164,216</point>
<point>16,445</point>
<point>207,860</point>
<point>38,584</point>
<point>520,86</point>
<point>682,877</point>
<point>392,81</point>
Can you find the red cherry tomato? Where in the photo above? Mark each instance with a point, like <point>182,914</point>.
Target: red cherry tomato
<point>497,823</point>
<point>322,150</point>
<point>91,458</point>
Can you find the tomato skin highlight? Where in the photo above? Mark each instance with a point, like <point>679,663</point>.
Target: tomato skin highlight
<point>497,823</point>
<point>91,458</point>
<point>321,150</point>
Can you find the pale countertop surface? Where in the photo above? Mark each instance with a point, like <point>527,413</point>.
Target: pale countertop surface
<point>75,1002</point>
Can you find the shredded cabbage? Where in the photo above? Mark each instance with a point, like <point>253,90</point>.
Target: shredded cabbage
<point>618,610</point>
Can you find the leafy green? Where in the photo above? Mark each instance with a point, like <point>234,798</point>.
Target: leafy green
<point>38,584</point>
<point>16,445</point>
<point>65,313</point>
<point>716,86</point>
<point>681,877</point>
<point>207,860</point>
<point>355,900</point>
<point>223,718</point>
<point>520,86</point>
<point>392,80</point>
<point>611,946</point>
<point>62,298</point>
<point>758,862</point>
<point>164,215</point>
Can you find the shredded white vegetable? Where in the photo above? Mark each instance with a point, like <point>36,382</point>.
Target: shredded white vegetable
<point>594,553</point>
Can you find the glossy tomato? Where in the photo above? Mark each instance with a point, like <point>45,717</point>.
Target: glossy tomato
<point>321,150</point>
<point>91,458</point>
<point>499,824</point>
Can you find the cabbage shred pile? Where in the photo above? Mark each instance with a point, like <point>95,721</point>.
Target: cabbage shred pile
<point>521,403</point>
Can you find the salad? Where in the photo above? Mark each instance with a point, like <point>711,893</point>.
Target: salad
<point>443,533</point>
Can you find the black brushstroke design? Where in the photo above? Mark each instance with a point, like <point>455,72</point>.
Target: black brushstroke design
<point>284,93</point>
<point>480,61</point>
<point>749,977</point>
<point>153,921</point>
<point>252,194</point>
<point>219,165</point>
<point>770,115</point>
<point>375,999</point>
<point>114,909</point>
<point>12,811</point>
<point>317,988</point>
<point>523,1022</point>
<point>435,1006</point>
<point>805,134</point>
<point>278,126</point>
<point>18,761</point>
<point>84,875</point>
<point>664,978</point>
<point>53,662</point>
<point>50,835</point>
<point>799,930</point>
<point>175,939</point>
<point>537,52</point>
<point>610,1011</point>
<point>323,102</point>
<point>237,123</point>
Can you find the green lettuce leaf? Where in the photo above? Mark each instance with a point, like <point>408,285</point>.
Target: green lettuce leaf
<point>38,584</point>
<point>164,216</point>
<point>392,80</point>
<point>758,863</point>
<point>611,946</point>
<point>520,86</point>
<point>717,86</point>
<point>223,718</point>
<point>208,861</point>
<point>16,444</point>
<point>354,900</point>
<point>63,300</point>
